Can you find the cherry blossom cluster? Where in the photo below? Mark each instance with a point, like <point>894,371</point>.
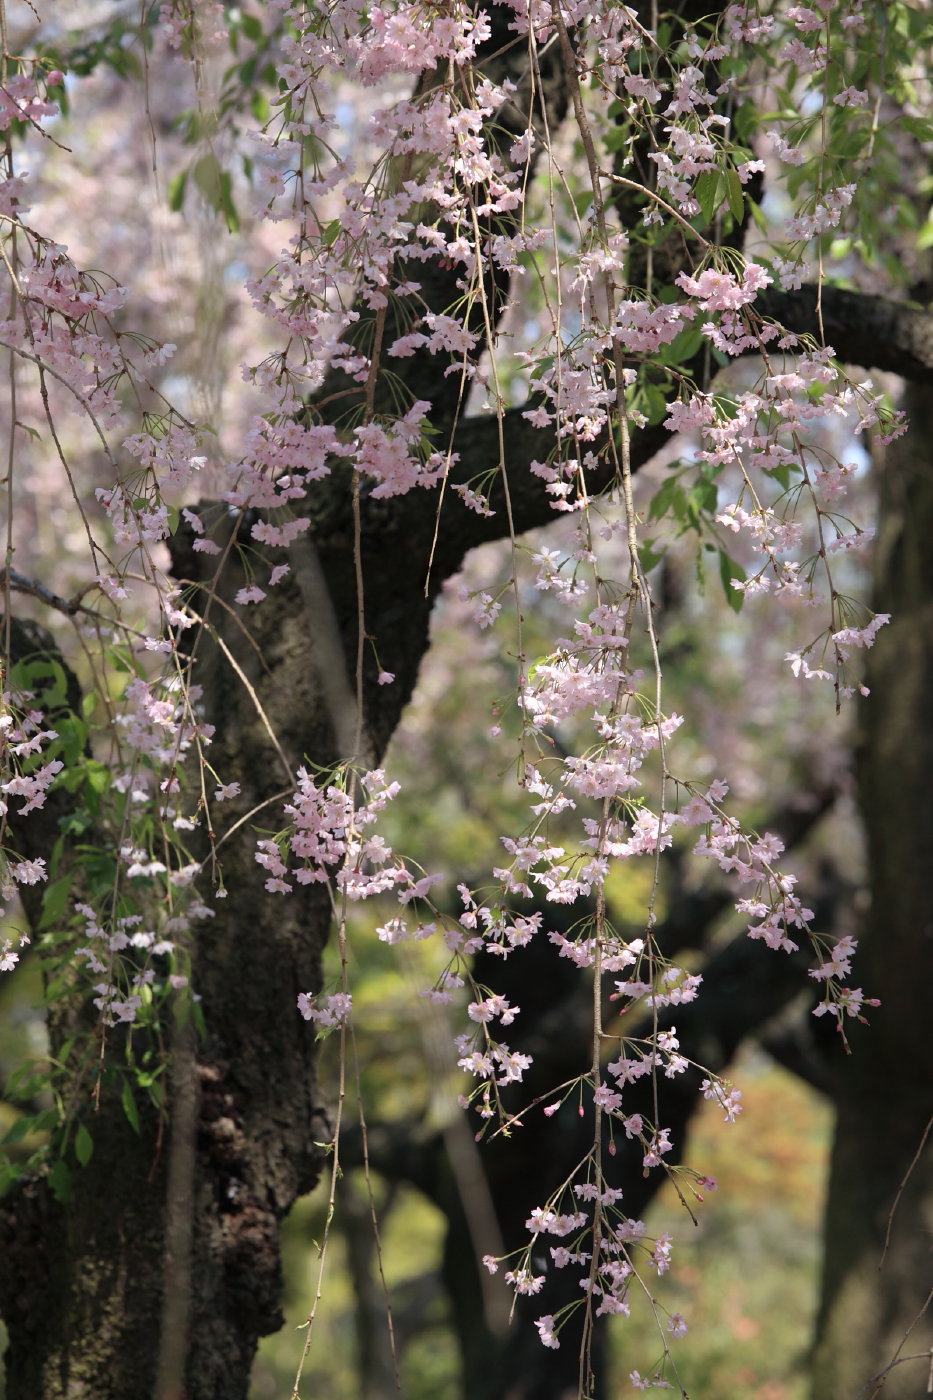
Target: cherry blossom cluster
<point>372,230</point>
<point>440,179</point>
<point>611,1250</point>
<point>365,253</point>
<point>22,738</point>
<point>587,680</point>
<point>62,319</point>
<point>772,439</point>
<point>326,1012</point>
<point>327,838</point>
<point>23,735</point>
<point>192,23</point>
<point>123,956</point>
<point>23,99</point>
<point>159,721</point>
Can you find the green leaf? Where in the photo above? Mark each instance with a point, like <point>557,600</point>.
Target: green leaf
<point>758,215</point>
<point>176,191</point>
<point>72,737</point>
<point>616,137</point>
<point>59,1180</point>
<point>735,195</point>
<point>781,474</point>
<point>648,556</point>
<point>215,185</point>
<point>729,570</point>
<point>54,900</point>
<point>920,127</point>
<point>36,673</point>
<point>710,190</point>
<point>98,776</point>
<point>655,404</point>
<point>128,1100</point>
<point>704,496</point>
<point>669,499</point>
<point>925,236</point>
<point>84,1145</point>
<point>28,1124</point>
<point>683,347</point>
<point>227,206</point>
<point>746,121</point>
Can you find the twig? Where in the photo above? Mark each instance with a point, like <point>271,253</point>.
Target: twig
<point>900,1192</point>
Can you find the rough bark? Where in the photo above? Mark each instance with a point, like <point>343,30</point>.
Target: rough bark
<point>81,1282</point>
<point>76,1279</point>
<point>875,1287</point>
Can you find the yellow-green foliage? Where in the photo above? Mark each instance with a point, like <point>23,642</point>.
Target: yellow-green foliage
<point>746,1276</point>
<point>411,1235</point>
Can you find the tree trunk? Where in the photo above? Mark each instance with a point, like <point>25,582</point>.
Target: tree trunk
<point>161,1271</point>
<point>875,1286</point>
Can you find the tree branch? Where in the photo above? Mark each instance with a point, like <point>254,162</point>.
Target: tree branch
<point>873,331</point>
<point>864,330</point>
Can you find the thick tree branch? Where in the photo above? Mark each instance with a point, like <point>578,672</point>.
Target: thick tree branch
<point>476,441</point>
<point>864,330</point>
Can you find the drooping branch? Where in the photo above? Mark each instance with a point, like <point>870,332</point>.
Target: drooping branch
<point>475,289</point>
<point>745,988</point>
